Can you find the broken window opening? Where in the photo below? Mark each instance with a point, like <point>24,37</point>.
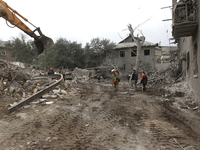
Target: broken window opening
<point>3,52</point>
<point>122,53</point>
<point>147,52</point>
<point>133,53</point>
<point>188,61</point>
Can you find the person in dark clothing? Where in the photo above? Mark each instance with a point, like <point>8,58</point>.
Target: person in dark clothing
<point>134,79</point>
<point>98,75</point>
<point>117,71</point>
<point>144,81</point>
<point>51,71</point>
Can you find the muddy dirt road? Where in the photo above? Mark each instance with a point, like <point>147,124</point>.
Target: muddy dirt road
<point>97,118</point>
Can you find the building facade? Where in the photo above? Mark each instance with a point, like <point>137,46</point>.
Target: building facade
<point>5,54</point>
<point>125,52</point>
<point>186,32</point>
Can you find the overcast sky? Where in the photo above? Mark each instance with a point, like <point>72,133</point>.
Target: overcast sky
<point>82,20</point>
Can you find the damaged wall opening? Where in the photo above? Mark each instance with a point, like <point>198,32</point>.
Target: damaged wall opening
<point>188,61</point>
<point>133,53</point>
<point>3,52</point>
<point>195,53</point>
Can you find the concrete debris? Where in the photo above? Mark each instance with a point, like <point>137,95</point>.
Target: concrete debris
<point>14,87</point>
<point>48,96</point>
<point>16,83</point>
<point>56,91</point>
<point>18,64</point>
<point>48,103</point>
<point>81,75</point>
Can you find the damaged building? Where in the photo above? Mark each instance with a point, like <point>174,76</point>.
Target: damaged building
<point>125,52</point>
<point>186,32</point>
<point>5,54</point>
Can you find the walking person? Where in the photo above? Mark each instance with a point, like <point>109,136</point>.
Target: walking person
<point>144,82</point>
<point>98,75</point>
<point>134,79</point>
<point>115,79</point>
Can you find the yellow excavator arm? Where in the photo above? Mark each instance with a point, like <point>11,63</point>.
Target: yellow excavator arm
<point>42,42</point>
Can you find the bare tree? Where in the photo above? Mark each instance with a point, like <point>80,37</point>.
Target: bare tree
<point>112,60</point>
<point>139,42</point>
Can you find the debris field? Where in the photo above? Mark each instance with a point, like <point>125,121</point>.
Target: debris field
<point>82,114</point>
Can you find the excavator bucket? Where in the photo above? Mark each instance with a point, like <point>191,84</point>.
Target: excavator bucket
<point>43,44</point>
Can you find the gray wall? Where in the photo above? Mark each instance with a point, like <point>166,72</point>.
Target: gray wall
<point>129,61</point>
<point>8,56</point>
<point>186,44</point>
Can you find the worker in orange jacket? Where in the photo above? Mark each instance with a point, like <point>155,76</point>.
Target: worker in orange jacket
<point>50,71</point>
<point>144,82</point>
<point>115,79</point>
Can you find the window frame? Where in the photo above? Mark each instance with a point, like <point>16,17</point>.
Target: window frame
<point>146,52</point>
<point>122,53</point>
<point>133,53</point>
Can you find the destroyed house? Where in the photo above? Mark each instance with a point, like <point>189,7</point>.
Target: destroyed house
<point>125,54</point>
<point>5,54</point>
<point>186,32</point>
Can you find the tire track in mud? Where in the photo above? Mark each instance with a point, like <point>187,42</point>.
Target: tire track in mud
<point>163,135</point>
<point>189,130</point>
<point>123,120</point>
<point>104,130</point>
<point>118,121</point>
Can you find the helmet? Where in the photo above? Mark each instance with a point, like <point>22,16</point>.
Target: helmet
<point>113,70</point>
<point>51,68</point>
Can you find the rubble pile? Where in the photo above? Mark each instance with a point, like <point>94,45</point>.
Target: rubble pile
<point>175,88</point>
<point>82,75</point>
<point>12,78</point>
<point>18,84</point>
<point>182,95</point>
<point>169,76</point>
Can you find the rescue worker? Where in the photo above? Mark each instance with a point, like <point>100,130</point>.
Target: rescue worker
<point>117,71</point>
<point>134,80</point>
<point>98,75</point>
<point>144,81</point>
<point>115,79</point>
<point>62,72</point>
<point>51,71</point>
<point>118,75</point>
